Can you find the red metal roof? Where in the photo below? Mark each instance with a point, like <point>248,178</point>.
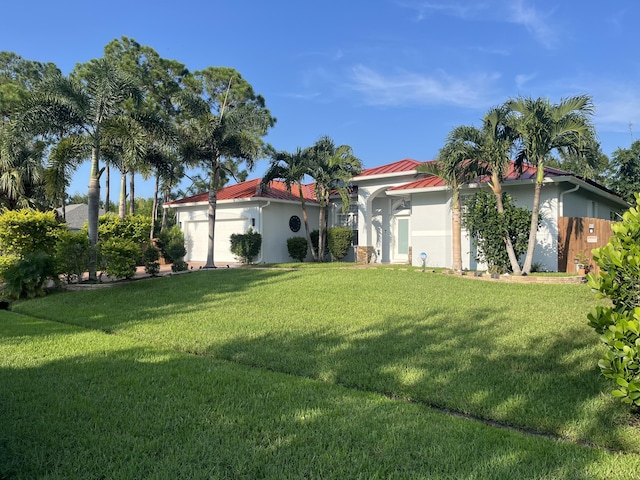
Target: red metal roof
<point>528,173</point>
<point>251,189</point>
<point>406,165</point>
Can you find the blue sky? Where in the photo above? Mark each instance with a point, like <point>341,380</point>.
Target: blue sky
<point>389,77</point>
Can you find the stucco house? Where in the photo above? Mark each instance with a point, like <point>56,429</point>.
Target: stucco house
<point>274,212</point>
<point>396,214</point>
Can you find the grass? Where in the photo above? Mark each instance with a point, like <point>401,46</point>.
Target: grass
<point>248,373</point>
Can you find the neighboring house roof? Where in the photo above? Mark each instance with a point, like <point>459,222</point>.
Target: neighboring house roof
<point>76,215</point>
<point>251,189</point>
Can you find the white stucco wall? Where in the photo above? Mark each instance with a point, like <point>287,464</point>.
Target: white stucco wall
<point>275,229</point>
<point>431,228</point>
<point>270,219</point>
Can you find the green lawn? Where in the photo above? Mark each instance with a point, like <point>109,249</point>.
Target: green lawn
<point>310,373</point>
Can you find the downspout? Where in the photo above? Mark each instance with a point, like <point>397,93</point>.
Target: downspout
<point>561,201</point>
<point>261,232</point>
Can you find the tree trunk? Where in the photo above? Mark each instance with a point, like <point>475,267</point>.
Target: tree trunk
<point>132,206</point>
<point>456,227</point>
<point>154,211</point>
<point>535,213</point>
<point>93,195</point>
<point>214,179</point>
<point>164,212</point>
<point>122,205</point>
<point>496,187</point>
<point>305,219</point>
<point>107,182</point>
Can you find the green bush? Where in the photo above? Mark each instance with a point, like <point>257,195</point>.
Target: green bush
<point>486,227</point>
<point>72,255</point>
<point>179,266</point>
<point>150,258</point>
<point>28,231</point>
<point>619,324</point>
<point>297,248</point>
<point>171,244</point>
<point>6,262</point>
<point>119,257</point>
<point>134,227</point>
<point>29,276</point>
<point>339,240</point>
<point>245,246</point>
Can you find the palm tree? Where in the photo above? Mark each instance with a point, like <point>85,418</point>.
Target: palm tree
<point>490,147</point>
<point>455,169</point>
<point>223,123</point>
<point>21,169</point>
<point>541,128</point>
<point>292,168</point>
<point>86,106</point>
<point>332,168</point>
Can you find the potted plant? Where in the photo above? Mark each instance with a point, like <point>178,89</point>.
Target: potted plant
<point>583,264</point>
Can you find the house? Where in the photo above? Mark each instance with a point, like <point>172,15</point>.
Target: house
<point>76,215</point>
<point>275,213</point>
<point>396,214</point>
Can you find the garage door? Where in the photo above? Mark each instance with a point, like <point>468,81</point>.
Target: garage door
<point>195,237</point>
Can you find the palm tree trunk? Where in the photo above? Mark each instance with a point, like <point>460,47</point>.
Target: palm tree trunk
<point>107,181</point>
<point>214,179</point>
<point>456,227</point>
<point>154,211</point>
<point>122,205</point>
<point>132,207</point>
<point>93,200</point>
<point>305,219</point>
<point>535,213</point>
<point>164,212</point>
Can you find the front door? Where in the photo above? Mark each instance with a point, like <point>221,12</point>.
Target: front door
<point>401,252</point>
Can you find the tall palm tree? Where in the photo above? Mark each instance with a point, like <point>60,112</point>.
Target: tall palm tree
<point>332,168</point>
<point>490,147</point>
<point>541,128</point>
<point>223,123</point>
<point>86,105</point>
<point>292,168</point>
<point>454,167</point>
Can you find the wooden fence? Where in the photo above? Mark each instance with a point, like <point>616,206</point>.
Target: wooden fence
<point>577,236</point>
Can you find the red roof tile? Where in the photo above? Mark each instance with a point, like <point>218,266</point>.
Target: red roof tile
<point>251,189</point>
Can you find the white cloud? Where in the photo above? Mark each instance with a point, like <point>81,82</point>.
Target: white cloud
<point>407,88</point>
<point>522,79</point>
<point>533,21</point>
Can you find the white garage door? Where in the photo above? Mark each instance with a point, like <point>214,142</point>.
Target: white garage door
<point>195,238</point>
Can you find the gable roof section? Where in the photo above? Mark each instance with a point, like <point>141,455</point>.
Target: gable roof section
<point>405,166</point>
<point>529,172</point>
<point>251,190</point>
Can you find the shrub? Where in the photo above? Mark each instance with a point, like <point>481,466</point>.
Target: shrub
<point>297,248</point>
<point>179,266</point>
<point>619,324</point>
<point>72,255</point>
<point>487,227</point>
<point>28,231</point>
<point>7,261</point>
<point>119,257</point>
<point>171,244</point>
<point>29,276</point>
<point>339,240</point>
<point>150,257</point>
<point>134,227</point>
<point>245,246</point>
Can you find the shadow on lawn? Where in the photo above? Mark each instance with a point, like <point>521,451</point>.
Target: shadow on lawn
<point>539,385</point>
<point>106,408</point>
